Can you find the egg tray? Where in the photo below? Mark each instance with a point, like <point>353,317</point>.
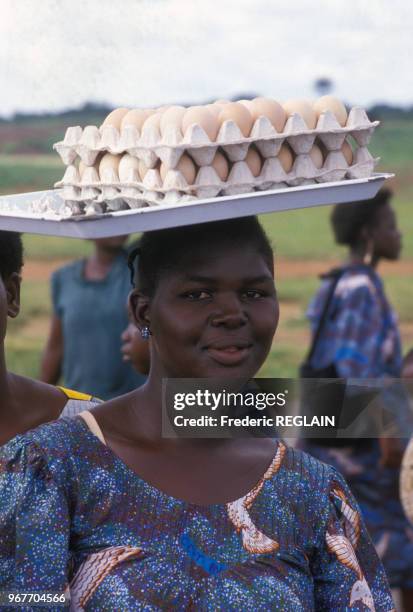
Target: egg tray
<point>94,193</point>
<point>149,147</point>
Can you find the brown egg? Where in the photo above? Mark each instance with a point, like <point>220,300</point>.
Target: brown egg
<point>185,165</point>
<point>303,108</point>
<point>203,117</point>
<point>82,168</point>
<point>239,114</point>
<point>172,116</point>
<point>136,117</point>
<point>143,169</point>
<point>316,156</point>
<point>268,108</point>
<point>153,121</point>
<point>109,161</point>
<point>220,165</point>
<point>115,117</point>
<point>332,104</point>
<point>347,151</point>
<point>286,158</point>
<point>253,161</point>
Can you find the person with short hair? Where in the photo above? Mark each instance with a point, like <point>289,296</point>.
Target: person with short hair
<point>360,338</point>
<point>25,403</point>
<point>132,520</point>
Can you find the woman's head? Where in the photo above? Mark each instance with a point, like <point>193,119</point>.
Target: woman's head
<point>368,226</point>
<point>11,263</point>
<point>207,294</point>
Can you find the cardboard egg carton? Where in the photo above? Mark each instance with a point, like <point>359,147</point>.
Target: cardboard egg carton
<point>109,191</point>
<point>150,147</point>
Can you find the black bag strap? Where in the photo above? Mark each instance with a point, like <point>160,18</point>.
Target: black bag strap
<point>335,274</point>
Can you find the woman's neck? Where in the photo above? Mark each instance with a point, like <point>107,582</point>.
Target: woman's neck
<point>357,256</point>
<point>100,262</point>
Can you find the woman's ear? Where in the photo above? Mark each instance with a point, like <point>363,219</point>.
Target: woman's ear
<point>138,307</point>
<point>12,286</point>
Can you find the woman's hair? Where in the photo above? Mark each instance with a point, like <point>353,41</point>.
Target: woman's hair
<point>11,254</point>
<point>161,251</point>
<point>348,219</point>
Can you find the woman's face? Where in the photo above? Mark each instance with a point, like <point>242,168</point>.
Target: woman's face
<point>386,235</point>
<point>214,318</point>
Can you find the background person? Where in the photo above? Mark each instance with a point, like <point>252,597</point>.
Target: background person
<point>179,524</point>
<point>89,316</point>
<point>360,337</point>
<point>24,403</point>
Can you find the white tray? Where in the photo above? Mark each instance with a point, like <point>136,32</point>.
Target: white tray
<point>15,215</point>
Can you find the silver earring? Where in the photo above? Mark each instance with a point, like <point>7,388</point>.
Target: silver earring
<point>145,332</point>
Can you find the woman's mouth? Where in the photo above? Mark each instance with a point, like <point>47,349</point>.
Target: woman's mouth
<point>230,354</point>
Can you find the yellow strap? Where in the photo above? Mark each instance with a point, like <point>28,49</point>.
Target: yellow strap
<point>92,423</point>
<point>76,395</point>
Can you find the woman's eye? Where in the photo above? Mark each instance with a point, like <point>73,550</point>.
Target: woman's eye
<point>197,295</point>
<point>253,294</point>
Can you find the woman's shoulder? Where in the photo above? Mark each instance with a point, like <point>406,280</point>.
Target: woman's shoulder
<point>52,444</point>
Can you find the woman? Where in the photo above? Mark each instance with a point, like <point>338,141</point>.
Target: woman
<point>89,316</point>
<point>24,403</point>
<point>360,338</point>
<point>136,521</point>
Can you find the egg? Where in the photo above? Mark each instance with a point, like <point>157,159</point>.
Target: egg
<point>332,104</point>
<point>152,122</point>
<point>185,165</point>
<point>203,117</point>
<point>316,156</point>
<point>253,161</point>
<point>172,116</point>
<point>239,114</point>
<point>109,161</point>
<point>136,117</point>
<point>285,157</point>
<point>268,108</point>
<point>143,169</point>
<point>220,165</point>
<point>215,109</point>
<point>115,117</point>
<point>82,168</point>
<point>347,151</point>
<point>246,103</point>
<point>126,164</point>
<point>303,108</point>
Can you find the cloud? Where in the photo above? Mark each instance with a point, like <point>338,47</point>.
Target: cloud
<point>62,53</point>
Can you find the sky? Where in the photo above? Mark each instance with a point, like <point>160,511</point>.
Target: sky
<point>57,54</point>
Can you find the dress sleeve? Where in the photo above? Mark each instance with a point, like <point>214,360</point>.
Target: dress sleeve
<point>348,574</point>
<point>34,520</point>
<point>357,330</point>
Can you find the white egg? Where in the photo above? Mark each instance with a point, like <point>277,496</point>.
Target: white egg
<point>109,161</point>
<point>203,117</point>
<point>185,165</point>
<point>303,108</point>
<point>268,108</point>
<point>253,161</point>
<point>332,104</point>
<point>152,122</point>
<point>115,117</point>
<point>239,114</point>
<point>126,164</point>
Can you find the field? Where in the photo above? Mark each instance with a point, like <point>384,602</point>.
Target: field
<point>302,239</point>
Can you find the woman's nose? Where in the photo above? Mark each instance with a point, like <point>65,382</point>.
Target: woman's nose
<point>229,312</point>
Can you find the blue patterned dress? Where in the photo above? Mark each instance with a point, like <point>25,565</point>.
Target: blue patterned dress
<point>361,338</point>
<point>72,512</point>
